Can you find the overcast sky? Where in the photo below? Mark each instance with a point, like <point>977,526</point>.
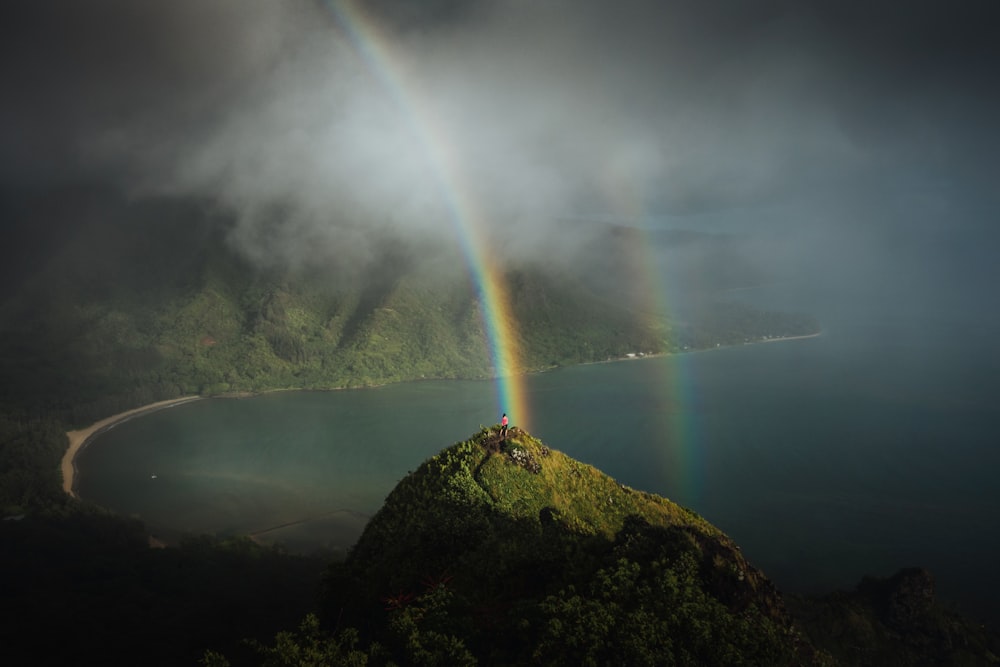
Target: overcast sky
<point>863,112</point>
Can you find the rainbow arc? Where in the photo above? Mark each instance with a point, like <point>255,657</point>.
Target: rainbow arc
<point>469,222</point>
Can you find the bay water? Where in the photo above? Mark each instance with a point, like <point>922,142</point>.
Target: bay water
<point>866,449</point>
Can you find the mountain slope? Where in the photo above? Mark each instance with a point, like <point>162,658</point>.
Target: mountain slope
<point>139,301</point>
<point>518,553</point>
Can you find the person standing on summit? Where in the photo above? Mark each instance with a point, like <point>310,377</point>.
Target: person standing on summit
<point>503,427</point>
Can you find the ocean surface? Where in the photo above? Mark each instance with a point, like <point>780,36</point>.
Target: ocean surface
<point>867,449</point>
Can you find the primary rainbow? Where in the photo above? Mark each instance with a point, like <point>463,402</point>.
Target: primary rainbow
<point>469,222</point>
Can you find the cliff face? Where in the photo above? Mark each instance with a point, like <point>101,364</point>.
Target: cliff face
<point>519,553</point>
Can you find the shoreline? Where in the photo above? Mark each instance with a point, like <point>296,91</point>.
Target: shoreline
<point>657,355</point>
<point>778,340</point>
<point>82,437</point>
<point>79,439</point>
<point>755,341</point>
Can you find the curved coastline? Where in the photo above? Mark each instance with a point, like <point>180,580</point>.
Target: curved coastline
<point>81,438</point>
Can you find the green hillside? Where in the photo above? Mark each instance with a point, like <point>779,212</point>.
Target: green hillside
<point>507,552</point>
<point>142,301</point>
<point>512,553</point>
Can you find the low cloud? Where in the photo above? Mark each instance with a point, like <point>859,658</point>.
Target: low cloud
<point>518,113</point>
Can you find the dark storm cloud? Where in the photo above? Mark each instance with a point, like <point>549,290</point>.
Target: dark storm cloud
<point>75,71</point>
<point>546,109</point>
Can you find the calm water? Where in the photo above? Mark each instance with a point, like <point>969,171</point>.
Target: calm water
<point>861,451</point>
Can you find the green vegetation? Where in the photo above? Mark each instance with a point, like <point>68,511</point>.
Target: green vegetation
<point>30,453</point>
<point>721,324</point>
<point>512,553</point>
<point>141,302</point>
<point>509,553</point>
<point>896,622</point>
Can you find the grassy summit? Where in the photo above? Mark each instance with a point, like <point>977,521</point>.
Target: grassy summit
<point>510,553</point>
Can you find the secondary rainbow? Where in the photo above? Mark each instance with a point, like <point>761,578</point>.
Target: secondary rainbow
<point>678,439</point>
<point>469,222</point>
<point>678,445</point>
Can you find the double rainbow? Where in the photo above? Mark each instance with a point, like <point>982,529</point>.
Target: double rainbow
<point>470,223</point>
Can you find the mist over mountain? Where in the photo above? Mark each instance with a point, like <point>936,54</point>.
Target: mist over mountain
<point>320,126</point>
<point>147,299</point>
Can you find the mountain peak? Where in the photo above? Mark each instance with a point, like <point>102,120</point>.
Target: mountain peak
<point>520,535</point>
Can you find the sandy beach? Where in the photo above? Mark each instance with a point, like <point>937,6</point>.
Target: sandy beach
<point>77,439</point>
